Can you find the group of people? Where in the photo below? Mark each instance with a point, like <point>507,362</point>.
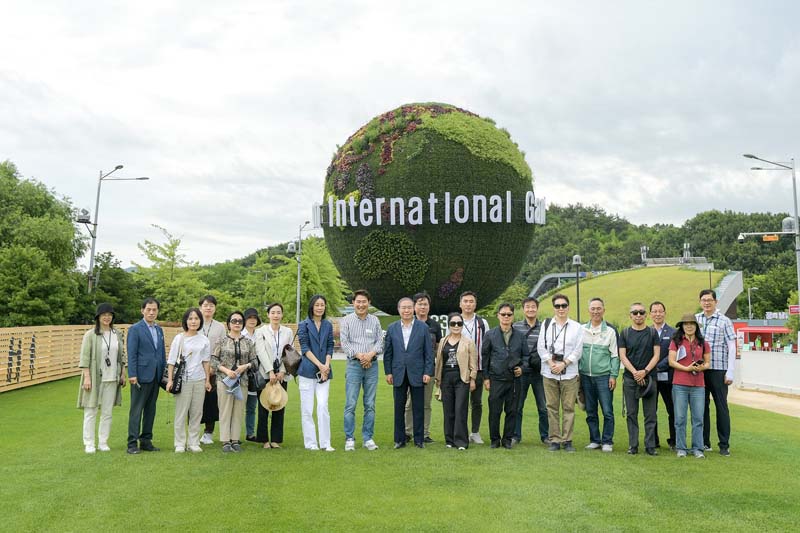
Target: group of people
<point>562,362</point>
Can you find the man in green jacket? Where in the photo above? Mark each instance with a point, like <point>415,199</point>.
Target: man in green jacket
<point>599,368</point>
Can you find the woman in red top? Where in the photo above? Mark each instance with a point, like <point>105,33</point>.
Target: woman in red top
<point>689,355</point>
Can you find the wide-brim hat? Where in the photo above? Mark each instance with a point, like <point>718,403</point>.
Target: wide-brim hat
<point>252,312</point>
<point>273,397</point>
<point>104,308</point>
<point>687,317</point>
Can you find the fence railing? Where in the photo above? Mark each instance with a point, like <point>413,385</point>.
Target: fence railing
<point>38,354</point>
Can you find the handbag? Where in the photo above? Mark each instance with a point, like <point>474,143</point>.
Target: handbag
<point>290,359</point>
<point>177,373</point>
<point>255,380</point>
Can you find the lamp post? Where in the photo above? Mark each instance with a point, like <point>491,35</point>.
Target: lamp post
<point>796,226</point>
<point>576,261</point>
<point>749,304</point>
<point>299,260</point>
<point>93,229</point>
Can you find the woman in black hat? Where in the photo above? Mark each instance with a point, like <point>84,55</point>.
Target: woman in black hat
<point>689,355</point>
<point>251,322</point>
<point>103,361</point>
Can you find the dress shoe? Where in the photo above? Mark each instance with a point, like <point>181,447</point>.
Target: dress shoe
<point>133,450</point>
<point>508,445</point>
<point>633,451</point>
<point>568,447</point>
<point>495,444</point>
<point>651,451</point>
<point>419,444</point>
<point>553,447</point>
<point>725,452</point>
<point>398,445</point>
<point>250,438</point>
<point>428,440</point>
<point>149,448</point>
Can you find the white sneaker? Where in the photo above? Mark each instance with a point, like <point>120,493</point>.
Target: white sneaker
<point>89,448</point>
<point>592,446</point>
<point>330,449</point>
<point>349,445</point>
<point>370,445</point>
<point>207,438</point>
<point>608,448</point>
<point>104,448</point>
<point>179,449</point>
<point>476,438</point>
<point>461,448</point>
<point>195,449</point>
<point>312,449</point>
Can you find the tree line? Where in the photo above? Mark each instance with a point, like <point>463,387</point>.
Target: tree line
<point>40,245</point>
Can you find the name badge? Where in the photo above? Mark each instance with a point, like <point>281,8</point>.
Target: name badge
<point>662,376</point>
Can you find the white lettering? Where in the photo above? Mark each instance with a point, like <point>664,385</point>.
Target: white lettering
<point>330,211</point>
<point>341,213</point>
<point>530,207</point>
<point>353,211</point>
<point>379,209</point>
<point>447,208</point>
<point>415,210</point>
<point>397,205</point>
<point>365,212</point>
<point>432,201</point>
<point>479,208</point>
<point>461,209</point>
<point>508,207</point>
<point>496,212</point>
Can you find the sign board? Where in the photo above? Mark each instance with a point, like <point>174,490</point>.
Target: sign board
<point>794,309</point>
<point>770,238</point>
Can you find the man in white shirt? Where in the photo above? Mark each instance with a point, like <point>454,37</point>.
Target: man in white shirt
<point>474,328</point>
<point>560,348</point>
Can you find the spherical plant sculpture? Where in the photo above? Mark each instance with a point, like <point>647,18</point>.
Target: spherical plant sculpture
<point>428,197</point>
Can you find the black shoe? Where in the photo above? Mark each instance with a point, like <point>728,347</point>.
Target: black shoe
<point>651,451</point>
<point>495,444</point>
<point>409,438</point>
<point>236,446</point>
<point>514,441</point>
<point>554,447</point>
<point>508,445</point>
<point>250,438</point>
<point>134,450</point>
<point>725,452</point>
<point>568,447</point>
<point>149,448</point>
<point>633,450</point>
<point>672,447</point>
<point>428,440</point>
<point>419,444</point>
<point>398,445</point>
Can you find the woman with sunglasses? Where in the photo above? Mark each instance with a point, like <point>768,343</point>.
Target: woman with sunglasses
<point>456,368</point>
<point>231,359</point>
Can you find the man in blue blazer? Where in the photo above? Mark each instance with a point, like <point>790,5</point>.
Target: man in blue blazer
<point>146,361</point>
<point>408,364</point>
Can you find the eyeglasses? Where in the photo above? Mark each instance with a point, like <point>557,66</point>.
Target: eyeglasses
<point>506,314</point>
<point>236,320</point>
<point>456,324</point>
<point>707,300</point>
<point>560,306</point>
<point>640,312</point>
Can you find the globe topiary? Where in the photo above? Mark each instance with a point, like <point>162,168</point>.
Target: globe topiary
<point>414,151</point>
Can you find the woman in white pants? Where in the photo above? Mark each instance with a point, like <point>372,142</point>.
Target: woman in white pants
<point>103,361</point>
<point>314,375</point>
<point>195,350</point>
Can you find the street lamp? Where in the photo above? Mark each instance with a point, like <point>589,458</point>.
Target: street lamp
<point>749,304</point>
<point>299,252</point>
<point>796,226</point>
<point>576,262</point>
<point>93,230</point>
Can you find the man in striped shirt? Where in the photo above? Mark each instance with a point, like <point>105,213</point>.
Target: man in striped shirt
<point>362,340</point>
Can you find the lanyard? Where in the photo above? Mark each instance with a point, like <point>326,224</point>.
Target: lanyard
<point>277,339</point>
<point>555,337</point>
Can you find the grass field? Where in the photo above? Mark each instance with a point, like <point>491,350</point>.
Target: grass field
<point>677,287</point>
<point>48,483</point>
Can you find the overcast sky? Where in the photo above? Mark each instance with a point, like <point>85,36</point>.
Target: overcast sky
<point>233,109</point>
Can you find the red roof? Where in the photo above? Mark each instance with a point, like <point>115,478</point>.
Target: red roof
<point>763,329</point>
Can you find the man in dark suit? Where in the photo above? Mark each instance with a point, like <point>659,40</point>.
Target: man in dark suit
<point>146,360</point>
<point>408,364</point>
<point>658,314</point>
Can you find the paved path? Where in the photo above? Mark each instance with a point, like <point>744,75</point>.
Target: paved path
<point>784,405</point>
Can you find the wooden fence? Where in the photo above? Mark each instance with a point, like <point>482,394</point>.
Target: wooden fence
<point>38,354</point>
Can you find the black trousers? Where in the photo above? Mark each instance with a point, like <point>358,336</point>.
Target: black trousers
<point>142,413</point>
<point>476,402</point>
<point>650,408</point>
<point>715,386</point>
<point>417,413</point>
<point>275,433</point>
<point>455,404</point>
<point>503,399</point>
<point>665,390</point>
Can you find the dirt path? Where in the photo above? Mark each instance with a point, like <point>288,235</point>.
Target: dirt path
<point>763,400</point>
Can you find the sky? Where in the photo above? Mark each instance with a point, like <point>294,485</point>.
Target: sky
<point>233,110</point>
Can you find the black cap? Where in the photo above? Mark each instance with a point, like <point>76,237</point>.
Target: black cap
<point>104,308</point>
<point>252,312</point>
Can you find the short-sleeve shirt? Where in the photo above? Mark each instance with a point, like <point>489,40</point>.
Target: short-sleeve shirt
<point>639,346</point>
<point>693,353</point>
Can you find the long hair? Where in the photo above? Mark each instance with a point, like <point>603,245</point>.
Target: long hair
<point>97,324</point>
<point>311,306</point>
<point>679,335</point>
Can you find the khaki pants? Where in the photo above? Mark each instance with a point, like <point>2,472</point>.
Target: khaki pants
<point>106,396</point>
<point>231,414</point>
<point>561,396</point>
<point>426,410</point>
<point>189,404</point>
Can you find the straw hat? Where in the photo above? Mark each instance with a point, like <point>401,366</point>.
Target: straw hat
<point>687,317</point>
<point>273,397</point>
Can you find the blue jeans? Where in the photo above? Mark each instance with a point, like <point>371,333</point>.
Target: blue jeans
<point>595,390</point>
<point>693,397</point>
<point>355,378</point>
<point>250,415</point>
<point>534,381</point>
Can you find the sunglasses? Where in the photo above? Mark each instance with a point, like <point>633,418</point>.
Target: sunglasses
<point>560,306</point>
<point>236,320</point>
<point>640,312</point>
<point>506,314</point>
<point>456,324</point>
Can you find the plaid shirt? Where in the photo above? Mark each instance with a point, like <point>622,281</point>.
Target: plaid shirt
<point>717,330</point>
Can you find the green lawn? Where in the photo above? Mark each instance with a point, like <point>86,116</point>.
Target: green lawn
<point>677,287</point>
<point>48,483</point>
